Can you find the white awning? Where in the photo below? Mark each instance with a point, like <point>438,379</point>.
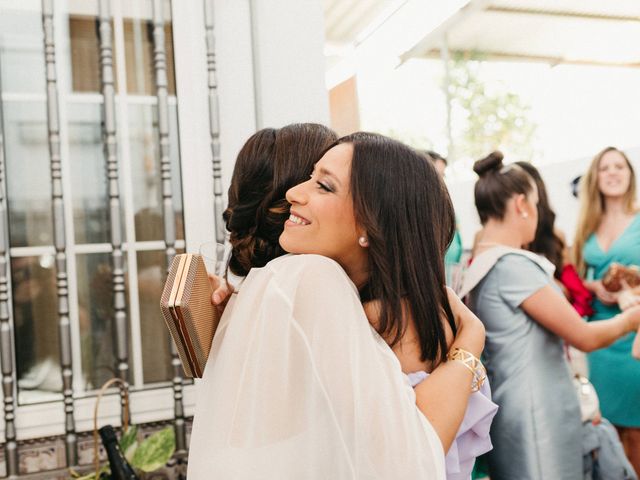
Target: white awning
<point>591,32</point>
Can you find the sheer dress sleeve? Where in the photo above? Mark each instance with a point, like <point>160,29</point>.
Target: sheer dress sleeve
<point>302,387</point>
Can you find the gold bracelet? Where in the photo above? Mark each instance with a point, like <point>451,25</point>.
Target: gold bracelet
<point>472,363</point>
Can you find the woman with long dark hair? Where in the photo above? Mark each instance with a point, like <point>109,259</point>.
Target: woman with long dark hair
<point>298,384</point>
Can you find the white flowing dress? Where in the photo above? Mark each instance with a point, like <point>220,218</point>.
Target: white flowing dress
<point>298,385</point>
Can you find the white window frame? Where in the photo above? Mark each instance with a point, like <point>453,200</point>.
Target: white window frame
<point>153,402</point>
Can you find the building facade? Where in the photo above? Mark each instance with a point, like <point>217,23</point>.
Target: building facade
<point>120,121</point>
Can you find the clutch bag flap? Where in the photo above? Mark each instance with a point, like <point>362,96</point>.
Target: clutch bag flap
<point>188,313</point>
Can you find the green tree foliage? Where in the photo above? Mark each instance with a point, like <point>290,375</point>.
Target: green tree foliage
<point>487,116</point>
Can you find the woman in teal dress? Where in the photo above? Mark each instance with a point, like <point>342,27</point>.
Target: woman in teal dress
<point>609,232</point>
<point>454,252</point>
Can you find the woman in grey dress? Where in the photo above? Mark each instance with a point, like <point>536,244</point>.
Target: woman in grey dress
<point>537,431</point>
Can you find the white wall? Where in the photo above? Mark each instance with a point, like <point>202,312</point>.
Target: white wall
<point>289,64</point>
<point>270,72</point>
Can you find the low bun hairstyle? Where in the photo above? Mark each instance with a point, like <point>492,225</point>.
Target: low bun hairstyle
<point>269,163</point>
<point>497,184</point>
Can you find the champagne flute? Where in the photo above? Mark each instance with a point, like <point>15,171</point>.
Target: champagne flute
<point>214,255</point>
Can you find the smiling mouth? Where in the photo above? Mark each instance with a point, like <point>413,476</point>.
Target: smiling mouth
<point>298,220</point>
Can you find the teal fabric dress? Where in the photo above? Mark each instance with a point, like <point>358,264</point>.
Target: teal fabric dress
<point>614,373</point>
<point>454,253</point>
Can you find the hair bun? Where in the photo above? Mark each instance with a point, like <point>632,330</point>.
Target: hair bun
<point>492,162</point>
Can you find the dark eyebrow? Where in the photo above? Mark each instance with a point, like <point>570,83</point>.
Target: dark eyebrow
<point>326,172</point>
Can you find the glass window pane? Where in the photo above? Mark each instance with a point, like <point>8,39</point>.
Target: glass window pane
<point>176,176</point>
<point>85,54</point>
<point>145,163</point>
<point>22,47</point>
<point>156,353</point>
<point>28,173</point>
<point>138,41</point>
<point>36,328</point>
<point>96,315</point>
<point>88,174</point>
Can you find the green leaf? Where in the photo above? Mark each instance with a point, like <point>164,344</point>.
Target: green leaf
<point>155,451</point>
<point>90,476</point>
<point>129,443</point>
<point>131,451</point>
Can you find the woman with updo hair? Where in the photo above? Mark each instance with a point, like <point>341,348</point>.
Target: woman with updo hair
<point>269,163</point>
<point>537,433</point>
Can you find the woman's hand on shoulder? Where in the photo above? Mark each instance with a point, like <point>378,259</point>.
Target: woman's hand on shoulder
<point>471,332</point>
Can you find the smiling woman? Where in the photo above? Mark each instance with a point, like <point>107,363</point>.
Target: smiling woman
<point>378,226</point>
<point>293,367</point>
<point>609,232</point>
<point>322,219</point>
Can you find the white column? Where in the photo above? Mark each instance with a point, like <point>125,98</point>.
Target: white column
<point>237,107</point>
<point>270,70</point>
<point>289,64</point>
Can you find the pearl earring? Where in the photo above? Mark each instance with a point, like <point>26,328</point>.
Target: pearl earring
<point>525,215</point>
<point>363,241</point>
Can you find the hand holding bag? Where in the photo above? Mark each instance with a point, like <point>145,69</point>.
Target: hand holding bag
<point>188,312</point>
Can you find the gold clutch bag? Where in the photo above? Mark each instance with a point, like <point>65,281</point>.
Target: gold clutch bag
<point>188,312</point>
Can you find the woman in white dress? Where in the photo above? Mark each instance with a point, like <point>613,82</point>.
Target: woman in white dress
<point>298,384</point>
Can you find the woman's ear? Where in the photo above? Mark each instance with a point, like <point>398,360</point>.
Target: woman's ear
<point>520,204</point>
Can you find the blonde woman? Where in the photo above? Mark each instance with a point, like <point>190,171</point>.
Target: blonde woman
<point>609,231</point>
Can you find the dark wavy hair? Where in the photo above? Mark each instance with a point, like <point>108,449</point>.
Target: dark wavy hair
<point>546,243</point>
<point>405,208</point>
<point>270,162</point>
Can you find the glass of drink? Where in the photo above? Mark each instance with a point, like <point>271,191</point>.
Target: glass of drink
<point>213,254</point>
